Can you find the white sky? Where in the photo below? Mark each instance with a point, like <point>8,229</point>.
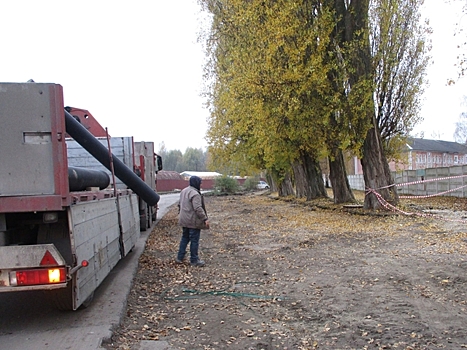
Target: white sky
<point>137,67</point>
<point>442,104</point>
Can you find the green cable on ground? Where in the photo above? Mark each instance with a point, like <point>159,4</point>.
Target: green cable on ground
<point>194,294</point>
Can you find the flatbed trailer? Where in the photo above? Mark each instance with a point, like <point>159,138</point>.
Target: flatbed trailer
<point>62,230</point>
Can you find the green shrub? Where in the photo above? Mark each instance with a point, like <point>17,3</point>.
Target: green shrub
<point>226,184</point>
<point>250,184</point>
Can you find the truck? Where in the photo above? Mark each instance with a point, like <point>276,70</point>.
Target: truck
<point>147,164</point>
<point>64,221</point>
<point>139,156</point>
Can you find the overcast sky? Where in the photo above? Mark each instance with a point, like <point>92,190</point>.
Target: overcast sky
<point>137,67</point>
<point>443,103</point>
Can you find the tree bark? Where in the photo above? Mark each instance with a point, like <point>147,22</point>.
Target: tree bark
<point>300,180</point>
<point>314,177</point>
<point>271,181</point>
<point>376,172</point>
<point>286,187</point>
<point>341,190</point>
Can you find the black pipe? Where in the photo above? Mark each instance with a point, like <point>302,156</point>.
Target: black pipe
<point>81,178</point>
<point>100,152</point>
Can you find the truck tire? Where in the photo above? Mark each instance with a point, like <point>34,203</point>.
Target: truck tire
<point>154,215</point>
<point>143,222</point>
<point>87,302</point>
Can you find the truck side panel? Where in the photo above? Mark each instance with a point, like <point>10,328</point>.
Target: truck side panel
<point>96,239</point>
<point>145,150</point>
<point>32,147</point>
<point>129,221</point>
<point>145,162</point>
<point>30,171</point>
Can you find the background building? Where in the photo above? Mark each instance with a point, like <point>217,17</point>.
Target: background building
<point>423,153</point>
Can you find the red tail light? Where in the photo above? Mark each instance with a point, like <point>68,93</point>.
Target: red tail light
<point>38,276</point>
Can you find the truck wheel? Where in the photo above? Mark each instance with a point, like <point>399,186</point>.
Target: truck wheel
<point>149,221</point>
<point>87,302</point>
<point>143,219</point>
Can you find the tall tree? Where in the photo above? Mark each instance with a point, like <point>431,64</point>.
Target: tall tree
<point>385,49</point>
<point>353,28</point>
<point>173,161</point>
<point>194,159</point>
<point>346,123</point>
<point>460,134</point>
<point>399,50</point>
<point>462,43</point>
<point>399,59</point>
<point>270,90</point>
<point>378,178</point>
<point>162,150</point>
<point>293,81</point>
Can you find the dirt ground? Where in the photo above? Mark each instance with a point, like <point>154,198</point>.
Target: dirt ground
<point>285,274</point>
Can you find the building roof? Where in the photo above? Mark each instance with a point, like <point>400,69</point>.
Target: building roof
<point>168,175</point>
<point>201,174</point>
<point>440,146</point>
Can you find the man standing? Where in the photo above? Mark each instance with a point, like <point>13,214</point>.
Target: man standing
<point>192,218</point>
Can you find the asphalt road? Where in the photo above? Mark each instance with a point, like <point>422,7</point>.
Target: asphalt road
<point>29,320</point>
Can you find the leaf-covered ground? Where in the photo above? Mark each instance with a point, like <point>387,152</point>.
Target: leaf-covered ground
<point>293,275</point>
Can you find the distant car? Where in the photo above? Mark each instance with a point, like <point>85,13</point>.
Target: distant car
<point>262,185</point>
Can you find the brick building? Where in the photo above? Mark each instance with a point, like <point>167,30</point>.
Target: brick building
<point>423,154</point>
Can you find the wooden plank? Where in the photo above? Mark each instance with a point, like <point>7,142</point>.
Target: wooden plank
<point>96,239</point>
<point>130,221</point>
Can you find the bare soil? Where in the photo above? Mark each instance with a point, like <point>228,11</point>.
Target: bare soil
<point>288,274</point>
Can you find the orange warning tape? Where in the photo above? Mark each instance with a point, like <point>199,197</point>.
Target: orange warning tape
<point>392,208</point>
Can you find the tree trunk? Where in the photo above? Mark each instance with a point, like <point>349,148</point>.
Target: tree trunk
<point>271,181</point>
<point>339,182</point>
<point>286,187</point>
<point>376,172</point>
<point>314,177</point>
<point>300,180</point>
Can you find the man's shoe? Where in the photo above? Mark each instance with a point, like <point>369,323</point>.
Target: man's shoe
<point>199,263</point>
<point>178,261</point>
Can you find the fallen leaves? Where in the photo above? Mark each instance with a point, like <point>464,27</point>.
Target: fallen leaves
<point>280,275</point>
